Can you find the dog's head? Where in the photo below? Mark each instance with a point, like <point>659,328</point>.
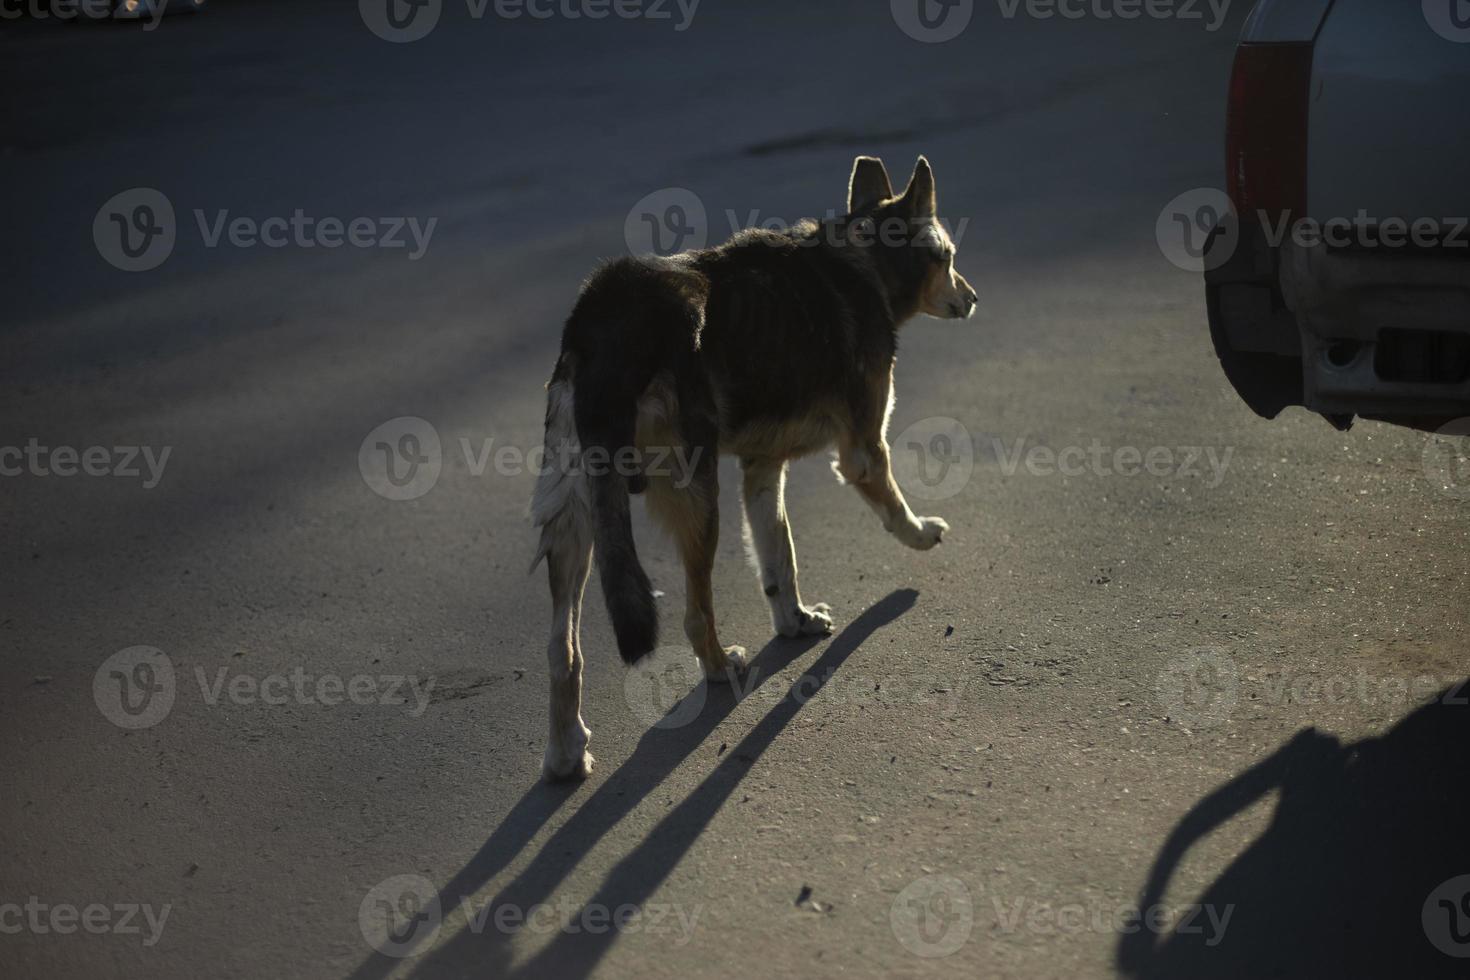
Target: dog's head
<point>909,243</point>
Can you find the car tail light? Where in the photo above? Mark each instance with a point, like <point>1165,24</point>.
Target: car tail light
<point>1266,130</point>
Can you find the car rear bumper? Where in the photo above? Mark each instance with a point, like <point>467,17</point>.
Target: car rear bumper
<point>1381,334</point>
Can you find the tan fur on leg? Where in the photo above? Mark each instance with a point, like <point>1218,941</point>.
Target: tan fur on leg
<point>772,552</point>
<point>561,506</point>
<point>692,516</point>
<point>568,563</point>
<point>863,460</point>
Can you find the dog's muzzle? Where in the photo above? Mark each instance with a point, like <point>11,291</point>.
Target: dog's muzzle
<point>966,306</point>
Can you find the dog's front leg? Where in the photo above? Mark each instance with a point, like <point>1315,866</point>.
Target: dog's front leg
<point>769,536</point>
<point>863,461</point>
<point>865,465</point>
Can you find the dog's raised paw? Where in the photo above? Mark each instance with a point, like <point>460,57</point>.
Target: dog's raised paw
<point>925,534</point>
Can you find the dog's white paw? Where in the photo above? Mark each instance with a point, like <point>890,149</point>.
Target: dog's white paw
<point>560,765</point>
<point>736,661</point>
<point>923,534</point>
<point>813,620</point>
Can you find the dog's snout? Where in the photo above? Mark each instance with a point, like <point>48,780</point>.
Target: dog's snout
<point>969,299</point>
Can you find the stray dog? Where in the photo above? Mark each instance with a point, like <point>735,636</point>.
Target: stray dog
<point>772,346</point>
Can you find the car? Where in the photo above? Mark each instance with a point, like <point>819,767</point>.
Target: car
<point>1340,279</point>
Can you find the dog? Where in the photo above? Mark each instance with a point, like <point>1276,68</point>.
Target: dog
<point>772,346</point>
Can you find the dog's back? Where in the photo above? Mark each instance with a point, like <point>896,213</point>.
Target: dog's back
<point>771,346</point>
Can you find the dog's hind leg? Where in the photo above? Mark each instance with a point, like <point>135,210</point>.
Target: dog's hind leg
<point>764,493</point>
<point>567,564</point>
<point>561,506</point>
<point>691,513</point>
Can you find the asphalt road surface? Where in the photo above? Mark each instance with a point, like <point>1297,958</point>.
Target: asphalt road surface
<point>1177,696</point>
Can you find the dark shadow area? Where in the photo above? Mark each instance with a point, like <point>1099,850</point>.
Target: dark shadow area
<point>485,950</point>
<point>1346,880</point>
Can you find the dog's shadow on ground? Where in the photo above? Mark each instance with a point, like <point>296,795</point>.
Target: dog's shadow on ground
<point>1354,875</point>
<point>486,950</point>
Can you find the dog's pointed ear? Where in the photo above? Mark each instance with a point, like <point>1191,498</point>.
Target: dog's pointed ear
<point>919,197</point>
<point>869,184</point>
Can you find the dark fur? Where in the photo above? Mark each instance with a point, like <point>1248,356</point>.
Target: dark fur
<point>755,332</point>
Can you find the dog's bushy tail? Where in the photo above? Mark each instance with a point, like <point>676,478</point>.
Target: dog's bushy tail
<point>634,319</point>
<point>581,502</point>
<point>625,584</point>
